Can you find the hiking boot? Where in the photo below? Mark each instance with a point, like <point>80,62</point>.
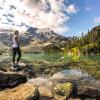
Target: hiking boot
<point>13,66</point>
<point>17,66</point>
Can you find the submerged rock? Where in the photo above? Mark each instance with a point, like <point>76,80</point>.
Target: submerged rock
<point>26,91</point>
<point>88,91</point>
<point>44,86</point>
<point>11,79</point>
<point>63,90</point>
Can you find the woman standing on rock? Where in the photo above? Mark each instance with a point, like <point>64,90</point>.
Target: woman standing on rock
<point>16,49</point>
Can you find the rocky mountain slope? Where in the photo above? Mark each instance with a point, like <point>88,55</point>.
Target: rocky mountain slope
<point>45,34</point>
<point>35,38</point>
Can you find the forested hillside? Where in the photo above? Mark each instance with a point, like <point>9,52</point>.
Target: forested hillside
<point>89,43</point>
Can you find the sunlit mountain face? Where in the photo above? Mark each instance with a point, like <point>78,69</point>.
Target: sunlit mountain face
<point>66,17</point>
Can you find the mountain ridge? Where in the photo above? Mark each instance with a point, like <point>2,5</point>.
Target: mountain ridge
<point>41,38</point>
<point>34,38</point>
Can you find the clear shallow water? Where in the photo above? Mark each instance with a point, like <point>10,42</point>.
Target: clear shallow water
<point>45,64</point>
<point>35,56</point>
<point>77,76</point>
<point>71,74</point>
<point>51,57</point>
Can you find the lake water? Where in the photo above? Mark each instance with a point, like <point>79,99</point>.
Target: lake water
<point>51,63</point>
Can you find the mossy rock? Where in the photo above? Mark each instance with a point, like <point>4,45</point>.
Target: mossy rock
<point>63,90</point>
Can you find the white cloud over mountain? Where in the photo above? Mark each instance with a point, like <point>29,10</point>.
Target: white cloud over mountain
<point>71,9</point>
<point>53,14</point>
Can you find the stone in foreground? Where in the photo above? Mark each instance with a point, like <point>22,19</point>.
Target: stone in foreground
<point>63,91</point>
<point>88,91</point>
<point>11,79</point>
<point>27,91</point>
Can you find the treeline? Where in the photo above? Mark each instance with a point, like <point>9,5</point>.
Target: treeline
<point>87,44</point>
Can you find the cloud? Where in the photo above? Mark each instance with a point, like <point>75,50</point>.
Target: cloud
<point>88,8</point>
<point>71,9</point>
<point>0,7</point>
<point>9,20</point>
<point>62,29</point>
<point>97,20</point>
<point>37,13</point>
<point>12,7</point>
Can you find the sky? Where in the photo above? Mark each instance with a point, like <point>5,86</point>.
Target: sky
<point>65,17</point>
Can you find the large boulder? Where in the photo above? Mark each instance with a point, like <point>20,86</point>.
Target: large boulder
<point>27,70</point>
<point>22,67</point>
<point>44,86</point>
<point>88,91</point>
<point>63,90</point>
<point>11,79</point>
<point>26,91</point>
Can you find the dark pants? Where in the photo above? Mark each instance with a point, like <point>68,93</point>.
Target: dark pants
<point>16,51</point>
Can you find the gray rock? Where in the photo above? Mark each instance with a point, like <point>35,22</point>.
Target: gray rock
<point>88,91</point>
<point>11,79</point>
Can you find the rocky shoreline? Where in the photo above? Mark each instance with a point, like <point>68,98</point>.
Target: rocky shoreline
<point>22,84</point>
